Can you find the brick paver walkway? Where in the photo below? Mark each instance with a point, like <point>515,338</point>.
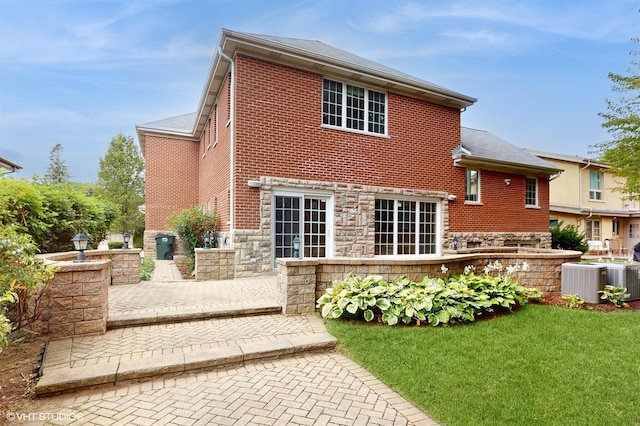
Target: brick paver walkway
<point>312,389</point>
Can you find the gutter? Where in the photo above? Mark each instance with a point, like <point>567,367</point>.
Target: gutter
<point>231,137</point>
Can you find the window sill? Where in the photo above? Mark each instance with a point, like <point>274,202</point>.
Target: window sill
<point>473,203</point>
<point>359,132</point>
<point>532,207</point>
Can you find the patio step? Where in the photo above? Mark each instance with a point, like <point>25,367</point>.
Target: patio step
<point>141,352</point>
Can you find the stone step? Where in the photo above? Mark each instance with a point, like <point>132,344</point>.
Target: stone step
<point>143,352</point>
<point>120,320</point>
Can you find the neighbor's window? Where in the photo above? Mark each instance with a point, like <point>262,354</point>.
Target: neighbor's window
<point>531,192</point>
<point>472,178</point>
<point>353,107</point>
<point>592,230</point>
<point>405,227</point>
<point>595,186</point>
<point>615,227</point>
<point>634,230</point>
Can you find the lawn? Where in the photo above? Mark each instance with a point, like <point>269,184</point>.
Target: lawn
<point>543,365</point>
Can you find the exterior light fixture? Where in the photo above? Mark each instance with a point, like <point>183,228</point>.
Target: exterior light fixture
<point>296,247</point>
<point>126,237</point>
<point>455,243</point>
<point>207,239</point>
<point>80,242</point>
<point>507,181</point>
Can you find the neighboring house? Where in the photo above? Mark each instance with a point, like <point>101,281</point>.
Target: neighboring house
<point>8,165</point>
<point>584,196</point>
<point>297,138</point>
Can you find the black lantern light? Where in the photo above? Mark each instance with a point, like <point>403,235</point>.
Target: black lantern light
<point>207,240</point>
<point>80,242</point>
<point>296,247</point>
<point>126,237</point>
<point>455,243</point>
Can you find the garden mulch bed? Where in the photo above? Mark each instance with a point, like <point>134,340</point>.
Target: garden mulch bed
<point>555,299</point>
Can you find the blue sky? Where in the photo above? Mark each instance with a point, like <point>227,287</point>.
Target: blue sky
<point>78,72</point>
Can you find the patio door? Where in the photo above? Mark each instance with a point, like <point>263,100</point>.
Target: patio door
<point>305,216</point>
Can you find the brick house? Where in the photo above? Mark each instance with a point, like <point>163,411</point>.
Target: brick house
<point>297,138</point>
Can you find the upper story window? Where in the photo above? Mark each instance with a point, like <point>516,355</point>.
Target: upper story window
<point>353,107</point>
<point>531,192</point>
<point>595,186</point>
<point>472,179</point>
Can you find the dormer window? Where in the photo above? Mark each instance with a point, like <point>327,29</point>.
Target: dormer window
<point>352,107</point>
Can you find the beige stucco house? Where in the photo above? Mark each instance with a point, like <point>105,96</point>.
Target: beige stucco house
<point>584,196</point>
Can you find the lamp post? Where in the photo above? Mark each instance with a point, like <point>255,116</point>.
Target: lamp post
<point>207,240</point>
<point>296,247</point>
<point>80,242</point>
<point>126,237</point>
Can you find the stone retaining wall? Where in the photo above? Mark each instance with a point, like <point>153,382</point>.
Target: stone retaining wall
<point>214,264</point>
<point>125,263</point>
<point>301,282</point>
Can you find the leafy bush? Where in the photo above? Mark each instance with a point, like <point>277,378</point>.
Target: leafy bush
<point>146,269</point>
<point>568,238</point>
<point>615,295</point>
<point>573,301</point>
<point>435,301</point>
<point>52,215</point>
<point>113,245</point>
<point>190,225</point>
<point>22,279</point>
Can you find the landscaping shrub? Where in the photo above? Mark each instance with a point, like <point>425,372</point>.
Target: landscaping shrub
<point>115,245</point>
<point>22,279</point>
<point>190,225</point>
<point>146,269</point>
<point>568,238</point>
<point>434,301</point>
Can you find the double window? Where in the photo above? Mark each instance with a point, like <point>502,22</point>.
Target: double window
<point>405,227</point>
<point>592,230</point>
<point>595,186</point>
<point>353,107</point>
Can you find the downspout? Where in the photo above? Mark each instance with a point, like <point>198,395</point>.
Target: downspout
<point>231,141</point>
<point>580,189</point>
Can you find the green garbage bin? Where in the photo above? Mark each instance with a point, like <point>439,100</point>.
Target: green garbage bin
<point>164,247</point>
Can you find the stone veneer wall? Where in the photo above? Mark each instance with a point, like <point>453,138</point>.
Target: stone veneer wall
<point>215,264</point>
<point>75,302</point>
<point>298,279</point>
<point>354,222</point>
<point>125,263</point>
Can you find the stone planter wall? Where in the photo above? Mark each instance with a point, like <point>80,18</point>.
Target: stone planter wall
<point>296,278</point>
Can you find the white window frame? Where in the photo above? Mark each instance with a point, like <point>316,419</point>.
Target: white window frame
<point>343,115</point>
<point>437,224</point>
<point>467,186</point>
<point>596,194</point>
<point>330,223</point>
<point>526,192</point>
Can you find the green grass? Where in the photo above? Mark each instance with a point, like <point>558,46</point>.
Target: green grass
<point>543,365</point>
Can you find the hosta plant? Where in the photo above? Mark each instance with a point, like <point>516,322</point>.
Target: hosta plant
<point>434,301</point>
<point>573,301</point>
<point>615,295</point>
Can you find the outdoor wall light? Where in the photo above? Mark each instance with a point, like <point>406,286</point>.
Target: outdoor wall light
<point>451,197</point>
<point>207,239</point>
<point>126,237</point>
<point>296,247</point>
<point>80,242</point>
<point>455,243</point>
<point>254,184</point>
<point>507,182</point>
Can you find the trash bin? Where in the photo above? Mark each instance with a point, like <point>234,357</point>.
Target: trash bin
<point>164,247</point>
<point>636,252</point>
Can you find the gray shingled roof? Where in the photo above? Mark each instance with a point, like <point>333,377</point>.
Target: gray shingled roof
<point>333,54</point>
<point>179,124</point>
<point>482,145</point>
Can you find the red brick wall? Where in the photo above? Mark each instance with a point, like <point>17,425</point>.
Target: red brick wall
<point>279,133</point>
<point>214,182</point>
<point>503,206</point>
<point>171,178</point>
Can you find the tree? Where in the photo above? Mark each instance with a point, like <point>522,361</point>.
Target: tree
<point>622,121</point>
<point>121,182</point>
<point>57,171</point>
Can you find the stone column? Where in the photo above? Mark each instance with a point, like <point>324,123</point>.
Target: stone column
<point>297,286</point>
<point>125,268</point>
